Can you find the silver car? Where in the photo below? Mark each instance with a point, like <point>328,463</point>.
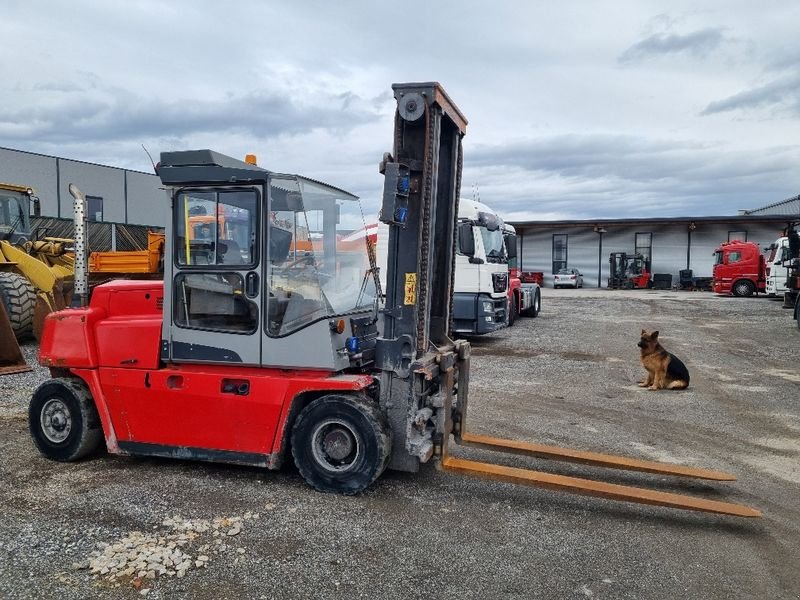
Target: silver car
<point>568,278</point>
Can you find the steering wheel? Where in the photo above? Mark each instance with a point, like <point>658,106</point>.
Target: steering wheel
<point>306,267</point>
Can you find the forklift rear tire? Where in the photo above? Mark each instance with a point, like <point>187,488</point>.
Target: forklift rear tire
<point>63,420</point>
<point>341,443</point>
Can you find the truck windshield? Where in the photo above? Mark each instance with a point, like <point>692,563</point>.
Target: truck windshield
<point>318,263</point>
<point>493,245</point>
<point>11,214</point>
<point>718,257</point>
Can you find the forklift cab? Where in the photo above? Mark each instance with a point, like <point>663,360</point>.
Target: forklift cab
<point>257,275</point>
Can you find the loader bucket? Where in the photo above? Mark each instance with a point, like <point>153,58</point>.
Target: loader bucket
<point>11,359</point>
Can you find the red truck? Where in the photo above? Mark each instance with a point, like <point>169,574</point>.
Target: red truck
<point>739,269</point>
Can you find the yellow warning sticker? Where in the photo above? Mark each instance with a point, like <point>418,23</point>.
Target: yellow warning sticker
<point>411,288</point>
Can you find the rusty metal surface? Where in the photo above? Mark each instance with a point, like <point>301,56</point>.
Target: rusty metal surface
<point>588,458</point>
<point>588,487</point>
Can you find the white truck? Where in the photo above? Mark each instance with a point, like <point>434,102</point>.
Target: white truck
<point>777,269</point>
<point>480,301</point>
<point>487,295</point>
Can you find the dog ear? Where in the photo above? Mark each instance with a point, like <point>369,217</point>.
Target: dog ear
<point>654,335</point>
<point>644,331</point>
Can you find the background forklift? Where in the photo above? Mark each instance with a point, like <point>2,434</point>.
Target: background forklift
<point>628,271</point>
<point>254,350</point>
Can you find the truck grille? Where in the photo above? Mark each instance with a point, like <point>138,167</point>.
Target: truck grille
<point>500,282</point>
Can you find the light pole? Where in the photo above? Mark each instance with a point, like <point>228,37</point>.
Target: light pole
<point>600,231</point>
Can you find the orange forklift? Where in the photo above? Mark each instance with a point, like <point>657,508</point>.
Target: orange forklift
<point>265,349</point>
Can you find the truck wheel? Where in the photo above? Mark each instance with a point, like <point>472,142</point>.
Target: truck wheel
<point>63,420</point>
<point>19,299</point>
<point>512,310</point>
<point>743,288</point>
<point>533,311</point>
<point>341,443</point>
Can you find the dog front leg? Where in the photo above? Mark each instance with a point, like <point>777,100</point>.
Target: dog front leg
<point>658,382</point>
<point>648,381</point>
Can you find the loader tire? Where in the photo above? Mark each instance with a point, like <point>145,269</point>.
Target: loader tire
<point>63,420</point>
<point>341,443</point>
<point>19,300</point>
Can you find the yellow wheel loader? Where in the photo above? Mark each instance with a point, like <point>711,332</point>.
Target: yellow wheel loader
<point>35,276</point>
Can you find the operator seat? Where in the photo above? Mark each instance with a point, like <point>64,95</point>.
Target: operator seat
<point>230,253</point>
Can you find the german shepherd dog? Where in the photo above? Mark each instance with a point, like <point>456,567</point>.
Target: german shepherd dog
<point>664,369</point>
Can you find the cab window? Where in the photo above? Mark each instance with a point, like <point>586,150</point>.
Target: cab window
<point>216,228</point>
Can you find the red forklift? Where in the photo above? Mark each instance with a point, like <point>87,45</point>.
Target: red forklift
<point>261,348</point>
<point>628,271</point>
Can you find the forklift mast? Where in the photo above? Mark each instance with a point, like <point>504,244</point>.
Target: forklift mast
<point>417,358</point>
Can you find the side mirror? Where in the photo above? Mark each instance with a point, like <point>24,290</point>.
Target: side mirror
<point>511,246</point>
<point>466,242</point>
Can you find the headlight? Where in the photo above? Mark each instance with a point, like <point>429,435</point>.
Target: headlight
<point>488,307</point>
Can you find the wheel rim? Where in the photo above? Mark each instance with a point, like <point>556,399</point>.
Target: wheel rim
<point>335,445</point>
<point>55,420</point>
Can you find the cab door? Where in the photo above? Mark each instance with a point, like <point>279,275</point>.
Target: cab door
<point>215,282</point>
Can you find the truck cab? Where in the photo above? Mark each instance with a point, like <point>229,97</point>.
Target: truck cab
<point>481,282</point>
<point>777,270</point>
<point>739,269</point>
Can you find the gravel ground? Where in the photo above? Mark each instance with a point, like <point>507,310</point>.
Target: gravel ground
<point>166,529</point>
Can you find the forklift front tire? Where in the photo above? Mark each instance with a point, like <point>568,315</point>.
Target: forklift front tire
<point>341,443</point>
<point>63,420</point>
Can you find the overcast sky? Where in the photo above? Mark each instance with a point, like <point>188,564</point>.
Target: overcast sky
<point>583,110</point>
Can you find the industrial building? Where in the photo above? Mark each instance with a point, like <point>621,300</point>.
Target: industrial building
<point>114,195</point>
<point>669,245</point>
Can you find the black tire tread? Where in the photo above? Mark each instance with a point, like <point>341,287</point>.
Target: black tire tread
<point>91,431</point>
<point>19,299</point>
<point>367,408</point>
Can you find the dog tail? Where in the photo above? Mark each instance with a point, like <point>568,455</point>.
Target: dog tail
<point>678,385</point>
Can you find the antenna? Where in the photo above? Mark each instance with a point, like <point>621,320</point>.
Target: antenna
<point>152,162</point>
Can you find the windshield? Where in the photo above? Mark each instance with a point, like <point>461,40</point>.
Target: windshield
<point>718,257</point>
<point>11,214</point>
<point>493,245</point>
<point>318,261</point>
<point>564,272</point>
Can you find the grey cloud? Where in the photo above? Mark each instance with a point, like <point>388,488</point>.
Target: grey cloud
<point>781,94</point>
<point>588,176</point>
<point>69,114</point>
<point>697,44</point>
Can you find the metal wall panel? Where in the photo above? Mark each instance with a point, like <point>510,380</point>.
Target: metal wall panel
<point>34,170</point>
<point>147,201</point>
<point>140,202</point>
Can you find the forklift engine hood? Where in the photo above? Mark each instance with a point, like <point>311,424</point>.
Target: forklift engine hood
<point>90,337</point>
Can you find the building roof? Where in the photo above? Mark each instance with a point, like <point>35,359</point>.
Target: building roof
<point>75,160</point>
<point>743,219</point>
<point>789,208</point>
